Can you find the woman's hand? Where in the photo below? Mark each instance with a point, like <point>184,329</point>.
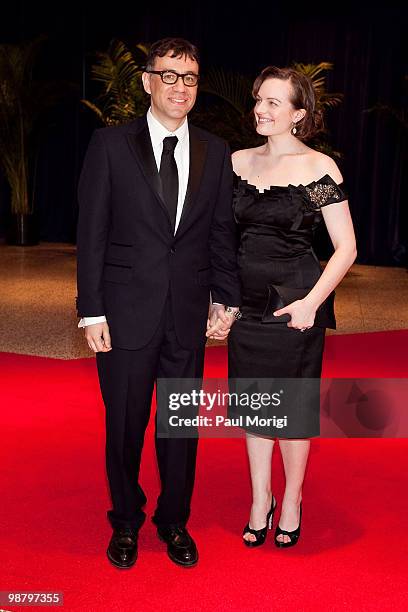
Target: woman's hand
<point>302,314</point>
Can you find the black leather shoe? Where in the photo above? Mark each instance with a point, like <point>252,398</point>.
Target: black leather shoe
<point>181,547</point>
<point>122,549</point>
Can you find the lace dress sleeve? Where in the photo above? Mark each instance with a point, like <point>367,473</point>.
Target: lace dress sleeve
<point>325,191</point>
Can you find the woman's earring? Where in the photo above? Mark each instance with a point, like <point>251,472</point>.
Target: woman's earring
<point>293,130</point>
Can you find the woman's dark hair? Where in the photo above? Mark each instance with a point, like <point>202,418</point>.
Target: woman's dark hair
<point>303,96</point>
<point>179,46</point>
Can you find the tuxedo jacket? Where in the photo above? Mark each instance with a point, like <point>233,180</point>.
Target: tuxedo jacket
<point>128,255</point>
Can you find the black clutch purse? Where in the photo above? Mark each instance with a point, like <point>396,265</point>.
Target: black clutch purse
<point>279,297</point>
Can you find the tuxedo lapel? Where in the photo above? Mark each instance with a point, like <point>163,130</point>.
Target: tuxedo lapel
<point>141,146</point>
<point>198,155</point>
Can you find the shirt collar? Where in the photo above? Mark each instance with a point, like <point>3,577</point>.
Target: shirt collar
<point>158,132</point>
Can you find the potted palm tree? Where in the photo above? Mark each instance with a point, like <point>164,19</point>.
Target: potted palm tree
<point>23,99</point>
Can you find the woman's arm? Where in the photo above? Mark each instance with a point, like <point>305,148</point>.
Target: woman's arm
<point>339,225</point>
<point>340,228</point>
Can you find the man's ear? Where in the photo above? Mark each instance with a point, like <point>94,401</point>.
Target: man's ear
<point>146,82</point>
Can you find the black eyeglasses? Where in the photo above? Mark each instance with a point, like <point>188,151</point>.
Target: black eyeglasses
<point>170,77</point>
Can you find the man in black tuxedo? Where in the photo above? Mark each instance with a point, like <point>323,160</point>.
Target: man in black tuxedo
<point>156,242</point>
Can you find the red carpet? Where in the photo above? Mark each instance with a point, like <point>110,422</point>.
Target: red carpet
<point>353,551</point>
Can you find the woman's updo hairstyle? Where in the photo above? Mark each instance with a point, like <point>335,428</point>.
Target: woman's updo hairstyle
<point>303,96</point>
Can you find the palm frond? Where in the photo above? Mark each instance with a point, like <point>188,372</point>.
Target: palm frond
<point>313,70</point>
<point>324,99</point>
<point>119,74</point>
<point>232,87</point>
<point>330,100</point>
<point>93,108</point>
<point>143,50</point>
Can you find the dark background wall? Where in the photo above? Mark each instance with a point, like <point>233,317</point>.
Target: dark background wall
<point>367,45</point>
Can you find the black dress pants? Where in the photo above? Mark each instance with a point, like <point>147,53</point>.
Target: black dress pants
<point>127,379</point>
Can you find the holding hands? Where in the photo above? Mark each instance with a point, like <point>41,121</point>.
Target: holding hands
<point>302,315</point>
<point>220,321</point>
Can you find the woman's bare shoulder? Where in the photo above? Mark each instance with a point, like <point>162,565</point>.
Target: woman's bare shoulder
<point>242,158</point>
<point>324,164</point>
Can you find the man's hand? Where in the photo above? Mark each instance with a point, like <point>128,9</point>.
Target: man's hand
<point>219,322</point>
<point>98,337</point>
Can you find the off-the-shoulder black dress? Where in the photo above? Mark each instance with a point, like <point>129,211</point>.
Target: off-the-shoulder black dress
<point>276,228</point>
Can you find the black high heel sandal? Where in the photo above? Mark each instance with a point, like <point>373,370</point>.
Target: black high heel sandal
<point>294,535</point>
<point>260,534</point>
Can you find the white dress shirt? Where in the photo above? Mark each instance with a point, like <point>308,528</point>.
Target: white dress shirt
<point>182,157</point>
<point>181,154</point>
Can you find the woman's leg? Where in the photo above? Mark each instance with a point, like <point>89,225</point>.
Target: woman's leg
<point>260,458</point>
<point>294,455</point>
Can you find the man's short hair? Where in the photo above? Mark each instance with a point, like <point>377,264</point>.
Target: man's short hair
<point>179,47</point>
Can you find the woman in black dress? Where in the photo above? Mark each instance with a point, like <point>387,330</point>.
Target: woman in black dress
<point>283,189</point>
